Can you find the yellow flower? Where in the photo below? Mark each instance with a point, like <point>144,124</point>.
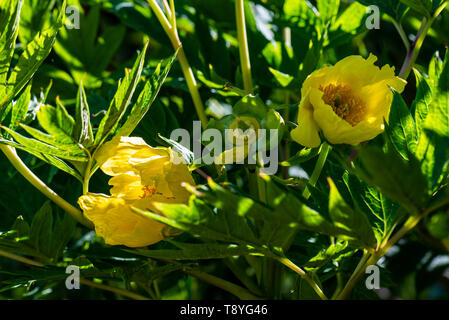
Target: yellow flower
<point>347,102</point>
<point>141,175</point>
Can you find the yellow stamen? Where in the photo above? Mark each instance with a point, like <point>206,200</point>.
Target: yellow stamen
<point>344,103</point>
<point>148,191</point>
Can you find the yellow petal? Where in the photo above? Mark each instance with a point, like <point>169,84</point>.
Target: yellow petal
<point>117,223</point>
<point>121,154</point>
<point>306,133</point>
<point>127,186</point>
<point>335,129</point>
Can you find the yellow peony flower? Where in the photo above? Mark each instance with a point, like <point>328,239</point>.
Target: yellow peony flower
<point>347,102</point>
<point>141,175</point>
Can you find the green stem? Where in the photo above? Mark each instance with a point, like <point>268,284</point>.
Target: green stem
<point>12,156</point>
<point>232,288</point>
<point>372,258</point>
<point>402,33</point>
<point>318,168</point>
<point>118,291</point>
<point>87,175</point>
<point>172,33</point>
<point>355,277</point>
<point>242,276</point>
<point>289,264</point>
<point>414,50</point>
<point>243,46</point>
<point>21,259</point>
<point>82,280</point>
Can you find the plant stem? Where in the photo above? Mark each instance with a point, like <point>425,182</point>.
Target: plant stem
<point>118,291</point>
<point>20,259</point>
<point>355,277</point>
<point>15,160</point>
<point>172,33</point>
<point>289,264</point>
<point>402,33</point>
<point>87,175</point>
<point>372,258</point>
<point>242,276</point>
<point>413,51</point>
<point>318,168</point>
<point>82,280</point>
<point>236,290</point>
<point>243,46</point>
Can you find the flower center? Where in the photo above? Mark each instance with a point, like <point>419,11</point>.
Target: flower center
<point>148,191</point>
<point>345,105</point>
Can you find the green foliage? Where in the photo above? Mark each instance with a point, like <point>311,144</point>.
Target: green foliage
<point>58,107</point>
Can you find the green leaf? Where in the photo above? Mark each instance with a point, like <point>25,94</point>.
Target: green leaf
<point>63,232</point>
<point>328,9</point>
<point>35,53</point>
<point>438,225</point>
<point>41,229</point>
<point>438,117</point>
<point>250,106</point>
<point>82,132</point>
<point>20,108</point>
<point>85,58</point>
<point>421,104</point>
<point>324,256</point>
<point>121,100</point>
<point>9,26</point>
<point>57,122</point>
<point>435,68</point>
<point>189,251</point>
<point>381,211</point>
<point>147,97</point>
<point>398,179</point>
<point>354,222</point>
<point>282,78</point>
<point>50,159</point>
<point>186,154</point>
<point>394,8</point>
<point>401,128</point>
<point>420,6</point>
<point>301,156</point>
<point>36,146</point>
<point>351,19</point>
<point>34,17</point>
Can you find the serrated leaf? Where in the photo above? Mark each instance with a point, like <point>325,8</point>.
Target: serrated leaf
<point>82,132</point>
<point>121,99</point>
<point>381,211</point>
<point>354,222</point>
<point>35,53</point>
<point>421,104</point>
<point>146,97</point>
<point>9,26</point>
<point>401,128</point>
<point>325,256</point>
<point>438,118</point>
<point>20,108</point>
<point>41,229</point>
<point>398,179</point>
<point>33,145</point>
